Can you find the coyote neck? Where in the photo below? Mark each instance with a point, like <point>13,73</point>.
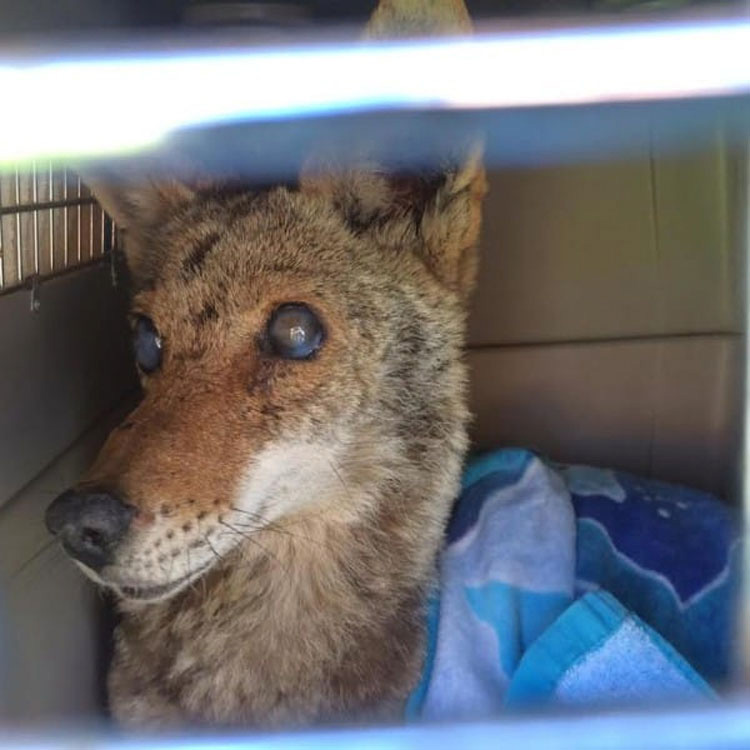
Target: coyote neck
<point>316,623</point>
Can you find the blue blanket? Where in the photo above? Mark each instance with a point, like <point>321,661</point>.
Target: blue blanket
<point>568,584</point>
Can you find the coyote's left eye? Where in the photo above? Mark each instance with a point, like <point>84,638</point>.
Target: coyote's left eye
<point>295,331</point>
<point>147,344</point>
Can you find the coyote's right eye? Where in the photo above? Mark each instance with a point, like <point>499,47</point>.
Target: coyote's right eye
<point>147,344</point>
<point>295,331</point>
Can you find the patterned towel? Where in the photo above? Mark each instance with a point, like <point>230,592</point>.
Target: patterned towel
<point>569,584</point>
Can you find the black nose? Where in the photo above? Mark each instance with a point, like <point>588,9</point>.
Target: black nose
<point>89,524</point>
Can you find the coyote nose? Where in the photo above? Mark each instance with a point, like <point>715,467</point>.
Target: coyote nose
<point>89,524</point>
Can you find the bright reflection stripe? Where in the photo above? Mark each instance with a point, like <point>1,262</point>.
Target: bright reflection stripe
<point>159,93</point>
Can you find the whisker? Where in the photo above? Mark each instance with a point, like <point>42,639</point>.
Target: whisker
<point>191,584</point>
<point>269,525</point>
<point>265,525</point>
<point>254,541</point>
<point>283,532</point>
<point>249,513</point>
<point>212,548</point>
<point>204,536</point>
<point>171,568</point>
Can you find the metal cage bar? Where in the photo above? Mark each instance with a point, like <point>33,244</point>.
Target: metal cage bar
<point>78,221</point>
<point>102,239</point>
<point>51,194</point>
<point>66,219</point>
<point>91,231</point>
<point>35,202</point>
<point>19,253</point>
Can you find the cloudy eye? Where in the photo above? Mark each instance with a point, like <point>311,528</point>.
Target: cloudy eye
<point>147,344</point>
<point>295,331</point>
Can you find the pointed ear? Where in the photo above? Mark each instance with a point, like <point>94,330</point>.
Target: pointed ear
<point>450,225</point>
<point>138,194</point>
<point>436,214</point>
<point>137,206</point>
<point>401,18</point>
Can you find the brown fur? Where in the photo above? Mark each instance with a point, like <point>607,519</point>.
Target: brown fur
<point>306,500</point>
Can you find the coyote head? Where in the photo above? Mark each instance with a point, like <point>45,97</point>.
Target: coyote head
<point>300,351</point>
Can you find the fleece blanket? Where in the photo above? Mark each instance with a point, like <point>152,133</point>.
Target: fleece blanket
<point>572,585</point>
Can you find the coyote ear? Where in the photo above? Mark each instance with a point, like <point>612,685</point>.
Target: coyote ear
<point>436,214</point>
<point>450,223</point>
<point>138,196</point>
<point>400,18</point>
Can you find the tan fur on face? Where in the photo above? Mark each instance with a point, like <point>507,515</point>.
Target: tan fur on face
<point>298,506</point>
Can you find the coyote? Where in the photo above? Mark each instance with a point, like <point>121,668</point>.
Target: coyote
<point>269,515</point>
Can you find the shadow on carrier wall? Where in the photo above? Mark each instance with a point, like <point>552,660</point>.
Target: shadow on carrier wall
<point>607,326</point>
<point>66,366</point>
